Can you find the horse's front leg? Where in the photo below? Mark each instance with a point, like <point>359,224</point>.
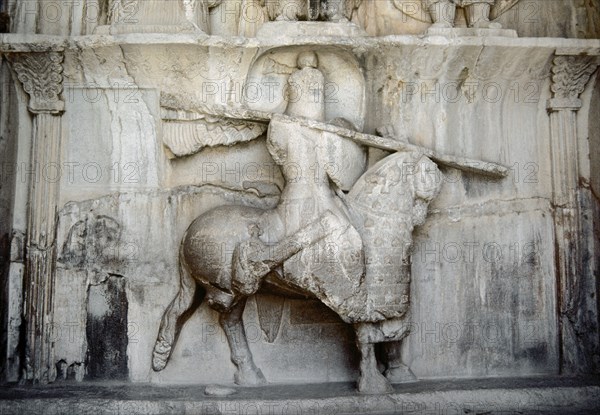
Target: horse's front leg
<point>396,371</point>
<point>371,381</point>
<point>247,373</point>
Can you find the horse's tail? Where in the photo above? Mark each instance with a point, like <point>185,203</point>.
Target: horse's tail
<point>181,308</point>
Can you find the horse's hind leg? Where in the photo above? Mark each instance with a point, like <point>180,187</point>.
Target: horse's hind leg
<point>175,315</point>
<point>247,373</point>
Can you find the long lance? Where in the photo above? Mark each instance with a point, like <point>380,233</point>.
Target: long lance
<point>461,163</point>
<point>486,168</point>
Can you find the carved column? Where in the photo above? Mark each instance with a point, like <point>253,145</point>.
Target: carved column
<point>41,77</point>
<point>570,74</point>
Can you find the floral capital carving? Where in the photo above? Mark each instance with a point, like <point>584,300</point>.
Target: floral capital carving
<point>41,77</point>
<point>570,75</point>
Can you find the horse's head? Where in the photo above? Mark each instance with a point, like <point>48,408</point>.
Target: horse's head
<point>400,186</point>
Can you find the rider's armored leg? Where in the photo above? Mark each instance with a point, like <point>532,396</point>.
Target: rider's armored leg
<point>253,259</point>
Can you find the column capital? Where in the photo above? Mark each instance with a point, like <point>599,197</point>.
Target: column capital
<point>40,73</point>
<point>570,75</point>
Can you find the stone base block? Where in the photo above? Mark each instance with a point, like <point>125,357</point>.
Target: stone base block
<point>123,29</point>
<point>470,32</point>
<point>489,396</point>
<point>286,29</point>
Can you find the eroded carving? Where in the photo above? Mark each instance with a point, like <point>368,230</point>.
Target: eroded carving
<point>270,314</point>
<point>186,133</point>
<point>336,12</point>
<point>312,243</point>
<point>442,13</point>
<point>294,10</point>
<point>477,12</point>
<point>161,15</point>
<point>350,251</point>
<point>91,242</point>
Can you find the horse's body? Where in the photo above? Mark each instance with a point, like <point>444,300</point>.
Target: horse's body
<point>346,264</point>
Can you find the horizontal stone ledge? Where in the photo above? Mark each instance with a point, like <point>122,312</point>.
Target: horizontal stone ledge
<point>15,42</point>
<point>554,395</point>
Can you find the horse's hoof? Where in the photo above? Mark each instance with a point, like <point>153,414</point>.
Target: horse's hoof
<point>250,377</point>
<point>160,355</point>
<point>400,374</point>
<point>375,384</point>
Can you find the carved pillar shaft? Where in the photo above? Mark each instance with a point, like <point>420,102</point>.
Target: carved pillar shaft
<point>41,236</point>
<point>566,225</point>
<point>570,74</point>
<point>41,77</point>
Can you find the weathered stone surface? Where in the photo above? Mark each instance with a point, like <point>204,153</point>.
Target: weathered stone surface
<point>316,191</point>
<point>531,18</point>
<point>219,391</point>
<point>107,329</point>
<point>494,396</point>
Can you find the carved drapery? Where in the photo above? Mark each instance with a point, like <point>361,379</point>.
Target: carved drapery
<point>41,77</point>
<point>570,75</point>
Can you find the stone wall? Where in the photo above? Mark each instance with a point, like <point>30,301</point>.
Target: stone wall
<point>486,293</point>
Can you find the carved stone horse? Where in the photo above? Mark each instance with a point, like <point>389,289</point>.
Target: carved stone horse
<point>350,252</point>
